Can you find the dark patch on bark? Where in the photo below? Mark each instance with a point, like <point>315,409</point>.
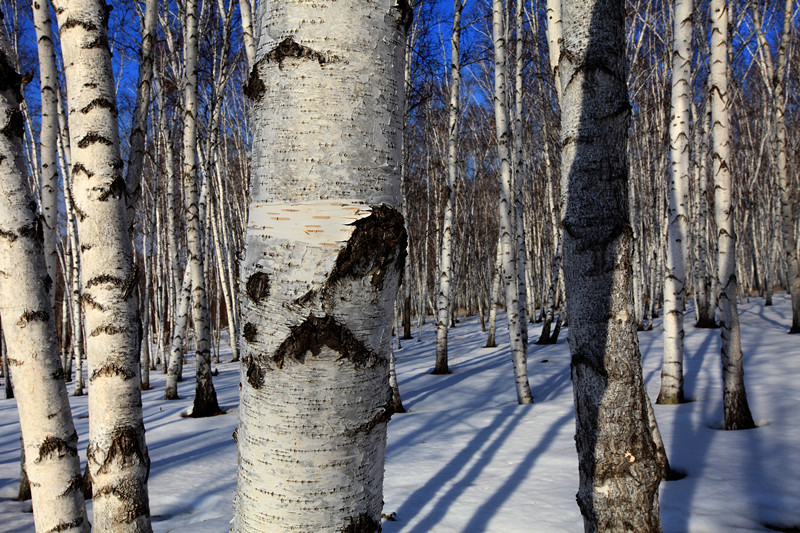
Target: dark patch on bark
<point>87,300</point>
<point>8,235</point>
<point>75,484</point>
<point>377,244</point>
<point>93,137</point>
<point>10,79</point>
<point>66,526</point>
<point>406,14</point>
<point>87,481</point>
<point>112,370</point>
<point>56,447</point>
<point>2,158</point>
<point>316,332</point>
<point>258,287</point>
<point>47,281</point>
<point>125,448</point>
<point>249,332</point>
<point>32,316</point>
<point>383,416</point>
<point>58,374</point>
<point>103,103</point>
<point>15,125</point>
<point>30,232</point>
<point>74,23</point>
<point>13,362</point>
<point>255,376</point>
<point>362,523</point>
<point>116,189</point>
<point>99,42</point>
<point>134,499</point>
<point>78,167</point>
<point>254,89</point>
<point>107,329</point>
<point>105,278</point>
<point>290,49</point>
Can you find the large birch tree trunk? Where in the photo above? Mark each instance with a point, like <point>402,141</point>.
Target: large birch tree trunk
<point>117,454</point>
<point>678,211</point>
<point>618,459</point>
<point>443,302</point>
<point>734,399</point>
<point>324,253</point>
<point>508,236</point>
<point>50,440</point>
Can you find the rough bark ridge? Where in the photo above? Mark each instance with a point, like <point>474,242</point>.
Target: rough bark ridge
<point>324,253</point>
<point>49,438</point>
<point>100,199</point>
<point>618,459</point>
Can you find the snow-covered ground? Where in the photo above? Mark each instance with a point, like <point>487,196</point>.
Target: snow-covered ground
<point>466,458</point>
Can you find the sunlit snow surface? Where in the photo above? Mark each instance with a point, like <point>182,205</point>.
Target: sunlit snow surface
<point>466,458</point>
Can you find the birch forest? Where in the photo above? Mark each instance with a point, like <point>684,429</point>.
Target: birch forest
<point>302,187</point>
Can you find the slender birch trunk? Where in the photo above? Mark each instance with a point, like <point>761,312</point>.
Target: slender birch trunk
<point>50,440</point>
<point>443,302</point>
<point>205,399</point>
<point>48,137</point>
<point>117,454</point>
<point>734,400</point>
<point>619,466</point>
<point>678,211</point>
<point>175,365</point>
<point>506,211</point>
<point>519,175</point>
<point>324,254</point>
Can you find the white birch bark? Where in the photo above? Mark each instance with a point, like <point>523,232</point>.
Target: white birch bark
<point>175,363</point>
<point>205,399</point>
<point>443,302</point>
<point>619,467</point>
<point>48,138</point>
<point>734,399</point>
<point>520,173</point>
<point>324,254</point>
<point>508,240</point>
<point>50,440</point>
<point>678,211</point>
<point>117,454</point>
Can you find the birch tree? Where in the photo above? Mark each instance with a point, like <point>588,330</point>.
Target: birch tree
<point>205,399</point>
<point>48,432</point>
<point>443,302</point>
<point>117,453</point>
<point>508,236</point>
<point>734,398</point>
<point>324,253</point>
<point>678,211</point>
<point>618,459</point>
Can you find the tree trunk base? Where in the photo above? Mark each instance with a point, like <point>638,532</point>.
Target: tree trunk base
<point>706,323</point>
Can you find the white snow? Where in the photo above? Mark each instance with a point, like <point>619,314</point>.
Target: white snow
<point>466,458</point>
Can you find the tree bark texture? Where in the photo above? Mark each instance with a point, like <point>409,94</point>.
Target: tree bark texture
<point>618,464</point>
<point>324,253</point>
<point>117,453</point>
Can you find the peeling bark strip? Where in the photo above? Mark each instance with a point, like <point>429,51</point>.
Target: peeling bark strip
<point>383,416</point>
<point>314,333</point>
<point>378,242</point>
<point>289,48</point>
